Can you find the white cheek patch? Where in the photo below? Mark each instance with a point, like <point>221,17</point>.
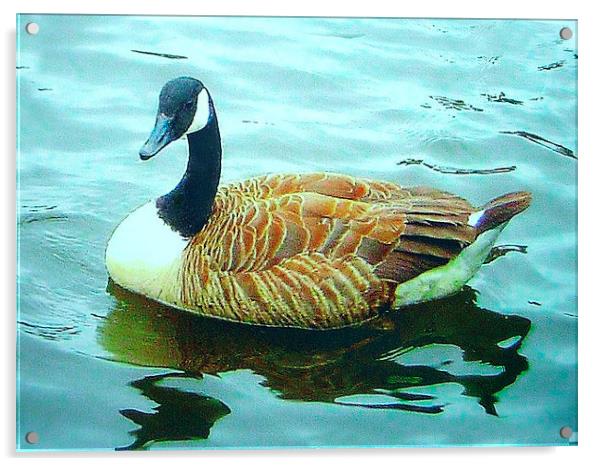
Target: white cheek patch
<point>201,117</point>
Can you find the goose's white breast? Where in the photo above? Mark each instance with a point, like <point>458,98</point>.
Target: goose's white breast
<point>144,254</point>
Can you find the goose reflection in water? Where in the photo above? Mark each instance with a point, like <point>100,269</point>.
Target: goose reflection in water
<point>318,366</point>
<point>180,415</point>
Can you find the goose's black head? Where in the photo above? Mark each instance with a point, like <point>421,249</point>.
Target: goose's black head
<point>184,107</point>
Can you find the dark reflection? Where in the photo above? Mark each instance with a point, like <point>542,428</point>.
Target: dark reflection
<point>501,98</point>
<point>180,415</point>
<point>454,104</point>
<point>313,365</point>
<point>551,66</point>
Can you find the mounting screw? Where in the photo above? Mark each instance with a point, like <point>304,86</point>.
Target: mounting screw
<point>566,33</point>
<point>32,437</point>
<point>32,28</point>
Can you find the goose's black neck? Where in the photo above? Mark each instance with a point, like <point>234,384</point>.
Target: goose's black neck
<point>188,206</point>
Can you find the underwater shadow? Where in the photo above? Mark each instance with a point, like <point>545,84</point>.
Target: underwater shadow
<point>318,366</point>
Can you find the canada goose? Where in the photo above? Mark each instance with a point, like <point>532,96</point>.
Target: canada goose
<point>317,250</point>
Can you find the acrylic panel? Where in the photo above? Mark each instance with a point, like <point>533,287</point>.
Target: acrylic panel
<point>245,232</point>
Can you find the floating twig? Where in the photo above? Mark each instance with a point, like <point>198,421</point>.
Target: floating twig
<point>503,249</point>
<point>164,55</point>
<point>543,142</point>
<point>457,171</point>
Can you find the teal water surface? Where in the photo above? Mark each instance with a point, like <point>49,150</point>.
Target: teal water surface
<point>475,107</point>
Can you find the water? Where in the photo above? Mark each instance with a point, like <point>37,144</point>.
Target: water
<point>411,101</point>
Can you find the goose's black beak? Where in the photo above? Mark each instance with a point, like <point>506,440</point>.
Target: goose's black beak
<point>159,137</point>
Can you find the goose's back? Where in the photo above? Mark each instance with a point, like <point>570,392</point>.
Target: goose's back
<point>317,250</point>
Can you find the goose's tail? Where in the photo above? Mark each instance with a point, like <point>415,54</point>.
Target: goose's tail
<point>445,280</point>
<point>500,210</point>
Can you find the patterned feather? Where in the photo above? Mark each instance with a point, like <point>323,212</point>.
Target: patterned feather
<point>317,250</point>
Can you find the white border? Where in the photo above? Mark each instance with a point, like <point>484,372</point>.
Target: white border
<point>590,180</point>
<point>424,8</point>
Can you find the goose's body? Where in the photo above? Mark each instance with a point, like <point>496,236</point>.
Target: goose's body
<point>301,250</point>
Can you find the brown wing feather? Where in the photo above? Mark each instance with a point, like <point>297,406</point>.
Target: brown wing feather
<point>317,250</point>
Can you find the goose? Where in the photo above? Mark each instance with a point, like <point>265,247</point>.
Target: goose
<point>307,250</point>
